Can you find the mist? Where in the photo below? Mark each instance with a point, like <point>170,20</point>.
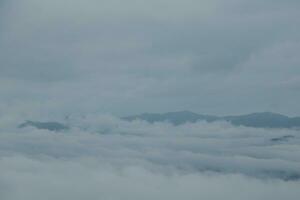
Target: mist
<point>105,157</point>
<point>87,64</point>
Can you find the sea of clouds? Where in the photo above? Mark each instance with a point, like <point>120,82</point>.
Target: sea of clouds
<point>103,157</point>
<point>125,57</point>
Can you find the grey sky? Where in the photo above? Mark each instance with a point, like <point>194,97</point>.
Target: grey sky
<point>125,57</point>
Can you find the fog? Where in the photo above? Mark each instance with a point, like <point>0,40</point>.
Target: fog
<point>88,63</point>
<point>103,157</point>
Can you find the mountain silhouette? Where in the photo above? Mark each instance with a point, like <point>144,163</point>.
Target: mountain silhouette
<point>257,120</point>
<point>51,126</point>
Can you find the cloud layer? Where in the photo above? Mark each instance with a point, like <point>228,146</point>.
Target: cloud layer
<point>214,57</point>
<point>104,157</point>
<point>64,57</point>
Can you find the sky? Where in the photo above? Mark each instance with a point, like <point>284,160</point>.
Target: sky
<point>96,60</point>
<point>218,57</point>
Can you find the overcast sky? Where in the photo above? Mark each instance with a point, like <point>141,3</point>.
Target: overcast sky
<point>94,58</point>
<point>126,57</point>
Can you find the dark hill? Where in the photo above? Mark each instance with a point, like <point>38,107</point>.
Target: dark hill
<point>258,120</point>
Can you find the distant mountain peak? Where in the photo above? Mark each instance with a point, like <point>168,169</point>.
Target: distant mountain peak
<point>186,112</point>
<point>267,113</point>
<point>51,126</point>
<point>258,119</point>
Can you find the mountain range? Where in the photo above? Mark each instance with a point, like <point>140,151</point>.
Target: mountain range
<point>257,120</point>
<point>51,126</point>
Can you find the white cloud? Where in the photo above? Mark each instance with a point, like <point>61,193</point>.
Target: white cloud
<point>62,57</point>
<point>86,179</point>
<point>103,157</point>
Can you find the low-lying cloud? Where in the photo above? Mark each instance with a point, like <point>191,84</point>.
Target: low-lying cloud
<point>103,157</point>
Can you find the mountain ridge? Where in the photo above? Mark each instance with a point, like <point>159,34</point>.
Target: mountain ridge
<point>257,119</point>
<point>51,126</point>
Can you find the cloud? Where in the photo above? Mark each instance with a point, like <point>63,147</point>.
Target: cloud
<point>85,179</point>
<point>105,157</point>
<point>158,56</point>
<point>157,159</point>
<point>64,57</point>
